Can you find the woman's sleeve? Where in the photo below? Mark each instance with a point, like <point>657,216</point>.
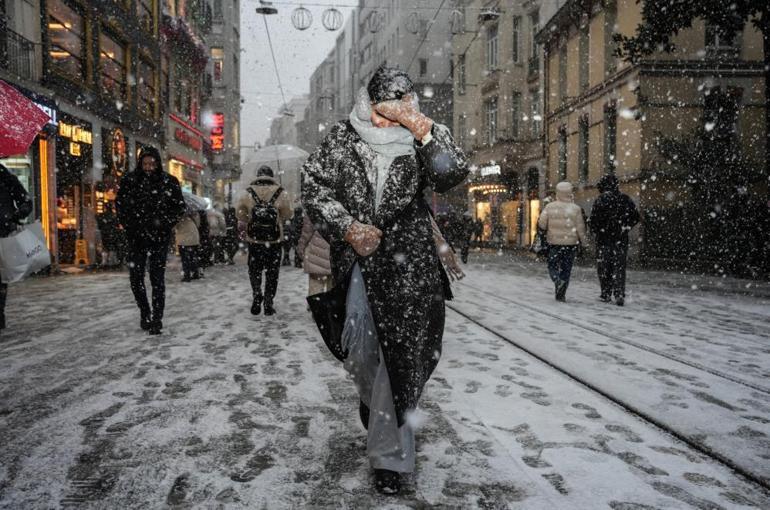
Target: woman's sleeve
<point>319,174</point>
<point>444,164</point>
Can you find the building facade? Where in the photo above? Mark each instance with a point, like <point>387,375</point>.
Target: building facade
<point>606,116</point>
<point>94,67</point>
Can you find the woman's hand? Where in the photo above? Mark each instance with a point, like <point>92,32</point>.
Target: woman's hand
<point>405,113</point>
<point>364,239</point>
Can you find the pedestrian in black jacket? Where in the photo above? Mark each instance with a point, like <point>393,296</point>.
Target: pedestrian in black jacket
<point>15,205</point>
<point>364,185</point>
<point>613,215</point>
<point>149,204</point>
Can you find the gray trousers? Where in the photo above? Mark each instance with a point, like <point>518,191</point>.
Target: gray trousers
<point>388,446</point>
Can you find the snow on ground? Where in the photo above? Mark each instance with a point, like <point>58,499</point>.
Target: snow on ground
<point>229,411</point>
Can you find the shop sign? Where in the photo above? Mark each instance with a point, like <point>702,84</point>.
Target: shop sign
<point>75,149</point>
<point>489,170</point>
<point>218,132</point>
<point>118,152</point>
<point>182,136</point>
<point>75,134</point>
<point>47,105</point>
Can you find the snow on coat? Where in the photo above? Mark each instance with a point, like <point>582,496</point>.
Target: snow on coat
<point>405,282</point>
<point>217,225</point>
<point>264,187</point>
<point>186,230</point>
<point>562,219</point>
<point>314,249</point>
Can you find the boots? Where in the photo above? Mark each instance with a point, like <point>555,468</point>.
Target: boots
<point>387,482</point>
<point>269,310</point>
<point>561,290</point>
<point>256,305</point>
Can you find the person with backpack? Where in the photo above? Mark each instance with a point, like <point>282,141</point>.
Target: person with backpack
<point>263,208</point>
<point>613,216</point>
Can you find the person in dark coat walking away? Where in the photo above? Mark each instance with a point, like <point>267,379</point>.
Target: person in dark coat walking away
<point>613,216</point>
<point>15,206</point>
<point>206,247</point>
<point>218,231</point>
<point>365,183</point>
<point>562,221</point>
<point>297,221</point>
<point>231,237</point>
<point>264,200</point>
<point>149,204</point>
<point>465,232</point>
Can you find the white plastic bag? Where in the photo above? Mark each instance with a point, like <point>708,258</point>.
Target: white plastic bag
<point>23,253</point>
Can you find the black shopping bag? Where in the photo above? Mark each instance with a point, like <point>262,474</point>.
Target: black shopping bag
<point>328,309</point>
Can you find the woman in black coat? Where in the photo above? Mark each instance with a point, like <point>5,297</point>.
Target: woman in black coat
<point>364,189</point>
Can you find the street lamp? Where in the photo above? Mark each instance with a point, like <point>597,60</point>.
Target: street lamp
<point>266,8</point>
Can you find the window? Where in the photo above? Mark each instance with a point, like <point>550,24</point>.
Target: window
<point>423,66</point>
<point>218,10</point>
<point>516,39</point>
<point>534,60</point>
<point>610,20</point>
<point>491,118</point>
<point>145,73</point>
<point>583,140</point>
<point>720,44</point>
<point>112,66</point>
<point>537,119</point>
<point>515,114</point>
<point>65,31</point>
<point>563,153</point>
<point>144,14</point>
<point>610,137</point>
<point>461,74</point>
<point>583,58</point>
<point>563,72</point>
<point>492,48</point>
<point>218,59</point>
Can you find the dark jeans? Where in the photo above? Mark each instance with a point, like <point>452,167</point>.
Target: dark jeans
<point>265,258</point>
<point>190,261</point>
<point>218,243</point>
<point>464,251</point>
<point>611,265</point>
<point>138,254</point>
<point>560,260</point>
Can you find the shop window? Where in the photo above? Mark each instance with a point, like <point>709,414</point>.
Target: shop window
<point>146,88</point>
<point>610,137</point>
<point>144,15</point>
<point>65,32</point>
<point>536,123</point>
<point>112,65</point>
<point>491,120</point>
<point>720,44</point>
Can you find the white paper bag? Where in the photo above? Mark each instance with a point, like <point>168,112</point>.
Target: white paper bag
<point>23,253</point>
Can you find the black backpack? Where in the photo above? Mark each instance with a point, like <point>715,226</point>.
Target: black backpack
<point>263,225</point>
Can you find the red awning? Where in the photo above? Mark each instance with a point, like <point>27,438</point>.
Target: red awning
<point>20,121</point>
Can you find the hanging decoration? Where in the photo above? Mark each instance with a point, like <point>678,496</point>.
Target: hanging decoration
<point>301,18</point>
<point>375,21</point>
<point>413,23</point>
<point>332,19</point>
<point>457,22</point>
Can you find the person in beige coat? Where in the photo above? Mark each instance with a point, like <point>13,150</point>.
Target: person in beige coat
<point>565,228</point>
<point>188,241</point>
<point>314,250</point>
<point>264,252</point>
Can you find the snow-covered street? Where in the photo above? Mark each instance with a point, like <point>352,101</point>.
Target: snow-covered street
<point>662,404</point>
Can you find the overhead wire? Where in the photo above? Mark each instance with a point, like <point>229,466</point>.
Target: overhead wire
<point>275,63</point>
<point>425,36</point>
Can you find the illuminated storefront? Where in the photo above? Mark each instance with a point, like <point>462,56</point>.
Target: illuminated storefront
<point>185,155</point>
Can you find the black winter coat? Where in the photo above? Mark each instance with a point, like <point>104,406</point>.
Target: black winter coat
<point>149,205</point>
<point>405,282</point>
<point>613,215</point>
<point>15,204</point>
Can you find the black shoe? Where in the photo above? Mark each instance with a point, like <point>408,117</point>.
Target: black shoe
<point>186,279</point>
<point>256,307</point>
<point>387,482</point>
<point>561,291</point>
<point>197,276</point>
<point>269,310</point>
<point>363,413</point>
<point>155,327</point>
<point>145,322</point>
<point>605,299</point>
<point>2,321</point>
<point>620,301</point>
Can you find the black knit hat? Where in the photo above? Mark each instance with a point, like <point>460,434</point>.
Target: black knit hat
<point>265,170</point>
<point>607,183</point>
<point>389,83</point>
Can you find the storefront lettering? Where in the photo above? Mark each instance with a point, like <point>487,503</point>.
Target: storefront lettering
<point>218,132</point>
<point>74,149</point>
<point>75,133</point>
<point>185,138</point>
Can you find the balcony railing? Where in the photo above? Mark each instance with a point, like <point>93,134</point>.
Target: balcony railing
<point>18,55</point>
